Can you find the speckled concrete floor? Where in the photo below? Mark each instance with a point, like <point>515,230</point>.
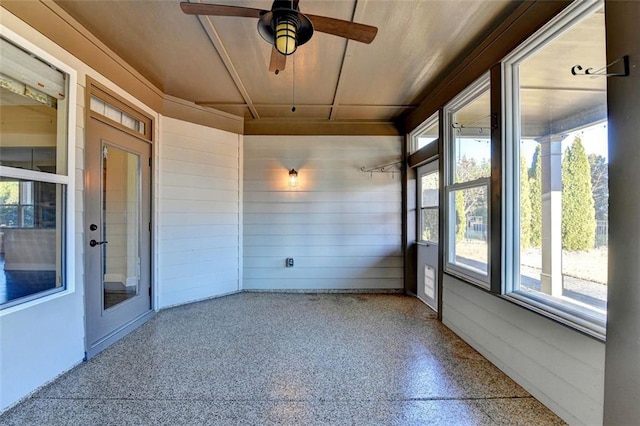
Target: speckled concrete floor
<point>287,359</point>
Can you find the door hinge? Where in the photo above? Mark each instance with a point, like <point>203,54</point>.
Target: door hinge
<point>149,161</point>
<point>149,291</point>
<point>149,226</point>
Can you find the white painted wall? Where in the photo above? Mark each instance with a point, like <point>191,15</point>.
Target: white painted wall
<point>198,211</point>
<point>562,368</point>
<point>341,226</point>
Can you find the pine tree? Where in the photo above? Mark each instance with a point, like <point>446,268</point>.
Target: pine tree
<point>578,213</point>
<point>535,195</point>
<point>525,205</point>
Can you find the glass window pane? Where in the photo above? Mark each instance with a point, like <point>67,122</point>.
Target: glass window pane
<point>563,189</point>
<point>33,135</point>
<point>471,148</point>
<point>430,134</point>
<point>427,133</point>
<point>31,241</point>
<point>121,194</point>
<point>430,190</point>
<point>468,211</point>
<point>430,225</point>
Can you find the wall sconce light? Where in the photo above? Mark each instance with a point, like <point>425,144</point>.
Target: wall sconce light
<point>293,178</point>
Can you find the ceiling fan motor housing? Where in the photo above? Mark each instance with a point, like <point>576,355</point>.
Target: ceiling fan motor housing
<point>288,25</point>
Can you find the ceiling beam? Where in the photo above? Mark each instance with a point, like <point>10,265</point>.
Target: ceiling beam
<point>244,105</point>
<point>358,15</point>
<point>211,31</point>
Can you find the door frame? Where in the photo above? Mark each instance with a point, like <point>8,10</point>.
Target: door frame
<point>411,213</point>
<point>432,166</point>
<point>95,89</point>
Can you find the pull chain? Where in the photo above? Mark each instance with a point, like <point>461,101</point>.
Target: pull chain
<point>293,106</point>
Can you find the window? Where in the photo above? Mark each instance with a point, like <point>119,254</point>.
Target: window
<point>556,155</point>
<point>426,133</point>
<point>16,204</point>
<point>468,169</point>
<point>34,178</point>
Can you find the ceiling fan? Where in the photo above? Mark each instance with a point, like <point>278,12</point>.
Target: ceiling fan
<point>285,27</point>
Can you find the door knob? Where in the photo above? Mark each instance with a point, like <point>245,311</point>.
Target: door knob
<point>94,243</point>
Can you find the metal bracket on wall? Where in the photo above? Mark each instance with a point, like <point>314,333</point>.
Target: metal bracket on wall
<point>393,167</point>
<point>602,72</point>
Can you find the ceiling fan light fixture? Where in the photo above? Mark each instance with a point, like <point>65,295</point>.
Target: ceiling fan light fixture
<point>285,28</point>
<point>286,40</point>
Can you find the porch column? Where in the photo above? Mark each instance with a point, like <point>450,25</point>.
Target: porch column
<point>551,157</point>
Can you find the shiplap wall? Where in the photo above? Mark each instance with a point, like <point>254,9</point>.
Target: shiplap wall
<point>341,226</point>
<point>199,209</point>
<point>559,366</point>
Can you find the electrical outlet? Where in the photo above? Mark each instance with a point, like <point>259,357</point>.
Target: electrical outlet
<point>289,262</point>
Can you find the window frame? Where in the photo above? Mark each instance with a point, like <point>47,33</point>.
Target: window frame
<point>563,311</point>
<point>66,180</point>
<point>418,131</point>
<point>476,89</point>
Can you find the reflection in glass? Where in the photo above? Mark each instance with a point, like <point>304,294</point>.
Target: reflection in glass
<point>121,218</point>
<point>31,229</point>
<point>33,135</point>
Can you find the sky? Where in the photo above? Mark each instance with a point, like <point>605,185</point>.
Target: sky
<point>594,140</point>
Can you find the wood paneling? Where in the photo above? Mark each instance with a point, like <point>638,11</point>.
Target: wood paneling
<point>198,211</point>
<point>321,127</point>
<point>341,226</point>
<point>512,31</point>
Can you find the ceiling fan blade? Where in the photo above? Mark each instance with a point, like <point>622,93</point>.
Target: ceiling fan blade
<point>278,61</point>
<point>351,30</point>
<point>220,10</point>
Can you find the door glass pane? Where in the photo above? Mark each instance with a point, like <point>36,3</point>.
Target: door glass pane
<point>430,188</point>
<point>121,219</point>
<point>430,225</point>
<point>429,206</point>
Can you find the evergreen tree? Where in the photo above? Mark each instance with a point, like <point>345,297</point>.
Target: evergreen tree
<point>525,205</point>
<point>535,195</point>
<point>578,213</point>
<point>534,162</point>
<point>600,185</point>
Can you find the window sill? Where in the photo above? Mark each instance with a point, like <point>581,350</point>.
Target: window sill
<point>581,319</point>
<point>468,276</point>
<point>33,300</point>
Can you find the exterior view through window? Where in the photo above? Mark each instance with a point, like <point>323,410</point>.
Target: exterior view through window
<point>561,164</point>
<point>469,170</point>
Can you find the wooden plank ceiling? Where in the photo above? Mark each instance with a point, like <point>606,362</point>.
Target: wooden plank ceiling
<point>222,62</point>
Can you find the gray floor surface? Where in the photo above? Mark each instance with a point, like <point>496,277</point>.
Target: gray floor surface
<point>286,359</point>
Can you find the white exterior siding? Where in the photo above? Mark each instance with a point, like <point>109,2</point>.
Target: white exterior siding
<point>43,338</point>
<point>559,366</point>
<point>198,213</point>
<point>341,226</point>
